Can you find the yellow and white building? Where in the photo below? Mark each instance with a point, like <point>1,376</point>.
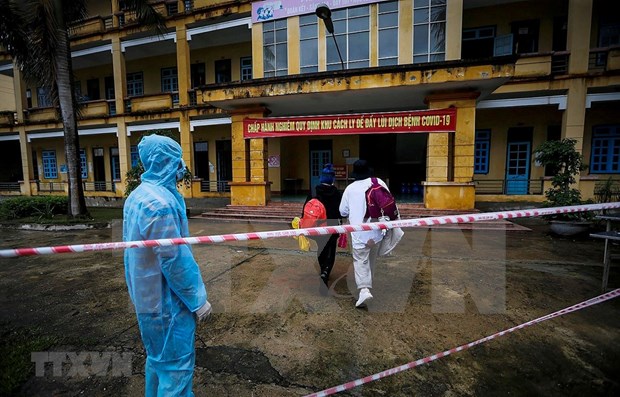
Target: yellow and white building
<point>516,73</point>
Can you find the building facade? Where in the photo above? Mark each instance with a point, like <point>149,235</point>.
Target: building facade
<point>514,74</point>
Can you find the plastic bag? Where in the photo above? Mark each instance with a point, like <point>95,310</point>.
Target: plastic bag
<point>390,240</point>
<point>304,243</point>
<point>342,241</point>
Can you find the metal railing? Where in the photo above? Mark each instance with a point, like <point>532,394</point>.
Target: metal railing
<point>108,22</point>
<point>607,191</point>
<point>99,186</point>
<point>111,107</point>
<point>9,187</point>
<point>50,186</point>
<point>172,8</point>
<point>214,186</point>
<point>193,101</point>
<point>559,63</point>
<point>597,61</point>
<point>503,186</point>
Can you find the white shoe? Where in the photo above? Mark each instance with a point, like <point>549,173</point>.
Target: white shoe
<point>365,296</point>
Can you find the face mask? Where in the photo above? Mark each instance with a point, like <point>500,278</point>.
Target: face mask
<point>181,171</point>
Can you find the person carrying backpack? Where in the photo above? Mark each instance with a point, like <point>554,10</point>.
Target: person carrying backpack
<point>329,196</point>
<point>365,244</point>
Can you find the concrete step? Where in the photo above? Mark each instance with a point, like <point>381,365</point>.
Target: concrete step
<point>283,212</point>
<point>289,211</point>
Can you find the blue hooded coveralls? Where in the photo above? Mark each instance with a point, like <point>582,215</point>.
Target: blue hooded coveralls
<point>164,283</point>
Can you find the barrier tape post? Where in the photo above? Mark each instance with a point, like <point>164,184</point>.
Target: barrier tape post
<point>316,231</point>
<point>383,374</point>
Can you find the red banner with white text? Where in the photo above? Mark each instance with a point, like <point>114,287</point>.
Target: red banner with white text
<point>434,120</point>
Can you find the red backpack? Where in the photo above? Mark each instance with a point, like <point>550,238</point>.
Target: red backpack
<point>380,202</point>
<point>314,214</point>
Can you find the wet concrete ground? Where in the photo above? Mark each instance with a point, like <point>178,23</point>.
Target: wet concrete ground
<point>274,334</point>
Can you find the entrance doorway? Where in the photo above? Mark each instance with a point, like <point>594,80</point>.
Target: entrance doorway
<point>518,160</point>
<point>201,160</point>
<point>99,168</point>
<point>517,168</point>
<point>320,155</point>
<point>223,151</point>
<point>11,170</point>
<point>398,159</point>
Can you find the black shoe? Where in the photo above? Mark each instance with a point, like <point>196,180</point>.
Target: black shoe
<point>324,277</point>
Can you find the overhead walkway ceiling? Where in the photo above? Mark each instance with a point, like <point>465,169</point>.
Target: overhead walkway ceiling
<point>402,87</point>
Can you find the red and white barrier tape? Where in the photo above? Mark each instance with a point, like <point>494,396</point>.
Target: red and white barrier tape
<point>383,374</point>
<point>315,231</point>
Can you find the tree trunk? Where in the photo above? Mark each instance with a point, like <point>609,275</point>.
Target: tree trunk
<point>64,81</point>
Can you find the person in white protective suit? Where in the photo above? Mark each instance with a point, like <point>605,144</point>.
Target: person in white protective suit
<point>164,283</point>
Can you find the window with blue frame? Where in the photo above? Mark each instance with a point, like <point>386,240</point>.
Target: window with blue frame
<point>83,165</point>
<point>605,158</point>
<point>135,84</point>
<point>50,169</point>
<point>481,154</point>
<point>135,157</point>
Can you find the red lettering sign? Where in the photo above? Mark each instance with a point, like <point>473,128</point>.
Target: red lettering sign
<point>435,120</point>
<point>340,171</point>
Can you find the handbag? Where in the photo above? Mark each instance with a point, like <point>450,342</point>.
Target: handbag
<point>342,240</point>
<point>304,243</point>
<point>390,240</point>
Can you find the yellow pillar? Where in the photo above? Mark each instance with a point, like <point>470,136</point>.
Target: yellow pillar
<point>120,77</point>
<point>293,50</point>
<point>454,29</point>
<point>257,51</point>
<point>250,185</point>
<point>19,89</point>
<point>578,35</point>
<point>574,117</point>
<point>322,46</point>
<point>124,153</point>
<point>405,32</point>
<point>115,10</point>
<point>183,64</point>
<point>450,157</point>
<point>374,35</point>
<point>26,156</point>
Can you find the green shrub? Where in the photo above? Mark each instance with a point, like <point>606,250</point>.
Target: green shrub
<point>132,178</point>
<point>567,163</point>
<point>38,206</point>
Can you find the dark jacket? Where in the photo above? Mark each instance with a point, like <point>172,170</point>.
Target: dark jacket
<point>330,196</point>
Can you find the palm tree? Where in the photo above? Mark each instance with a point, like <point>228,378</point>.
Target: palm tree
<point>36,34</point>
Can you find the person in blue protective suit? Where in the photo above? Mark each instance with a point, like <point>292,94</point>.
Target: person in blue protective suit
<point>164,283</point>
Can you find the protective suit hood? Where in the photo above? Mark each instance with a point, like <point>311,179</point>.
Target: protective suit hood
<point>161,157</point>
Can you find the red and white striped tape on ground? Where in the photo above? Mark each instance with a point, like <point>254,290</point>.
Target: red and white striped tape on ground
<point>315,231</point>
<point>383,374</point>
